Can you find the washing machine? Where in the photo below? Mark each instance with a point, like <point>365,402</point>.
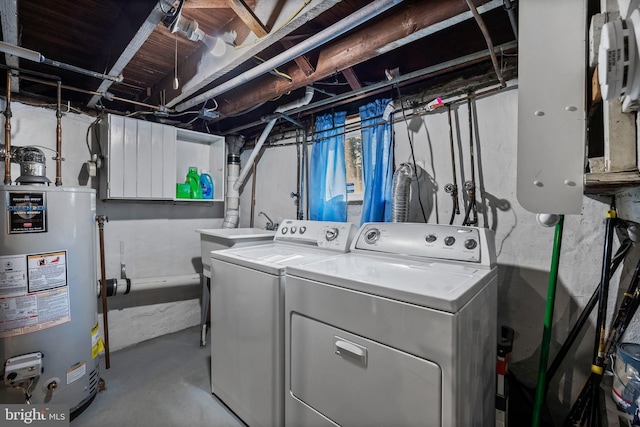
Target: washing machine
<point>400,331</point>
<point>247,315</point>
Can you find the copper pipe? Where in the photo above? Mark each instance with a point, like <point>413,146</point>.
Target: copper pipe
<point>7,134</point>
<point>487,38</point>
<point>59,139</point>
<point>103,289</point>
<point>89,92</point>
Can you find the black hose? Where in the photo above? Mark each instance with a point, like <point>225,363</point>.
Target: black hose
<point>586,312</point>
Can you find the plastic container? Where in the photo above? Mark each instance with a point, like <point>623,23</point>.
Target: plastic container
<point>183,191</point>
<point>626,380</point>
<point>193,179</point>
<point>206,183</point>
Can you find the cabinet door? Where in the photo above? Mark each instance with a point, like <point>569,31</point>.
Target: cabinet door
<point>140,159</point>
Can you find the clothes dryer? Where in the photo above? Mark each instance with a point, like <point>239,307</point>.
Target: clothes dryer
<point>247,315</point>
<point>401,331</point>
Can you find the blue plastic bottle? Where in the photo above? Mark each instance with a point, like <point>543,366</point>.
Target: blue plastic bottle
<point>206,183</point>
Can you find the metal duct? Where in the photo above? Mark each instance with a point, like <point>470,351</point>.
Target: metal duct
<point>401,192</point>
<point>32,163</point>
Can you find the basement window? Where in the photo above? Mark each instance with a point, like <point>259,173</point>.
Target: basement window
<point>353,159</point>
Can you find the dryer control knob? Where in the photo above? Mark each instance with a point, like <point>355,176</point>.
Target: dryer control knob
<point>449,240</point>
<point>372,236</point>
<point>293,230</point>
<point>284,230</point>
<point>331,234</point>
<point>470,244</point>
<point>303,229</point>
<point>431,238</point>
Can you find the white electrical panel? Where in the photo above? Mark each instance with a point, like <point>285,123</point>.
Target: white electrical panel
<point>551,105</point>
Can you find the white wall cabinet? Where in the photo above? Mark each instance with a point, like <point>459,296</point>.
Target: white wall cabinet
<point>145,160</point>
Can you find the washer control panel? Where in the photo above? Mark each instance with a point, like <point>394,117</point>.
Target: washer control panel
<point>324,234</point>
<point>456,243</point>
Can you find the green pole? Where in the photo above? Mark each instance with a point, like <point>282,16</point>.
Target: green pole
<point>548,321</point>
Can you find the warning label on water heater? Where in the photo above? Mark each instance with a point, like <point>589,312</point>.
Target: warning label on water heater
<point>34,293</point>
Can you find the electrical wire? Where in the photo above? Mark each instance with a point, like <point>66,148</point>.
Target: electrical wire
<point>413,156</point>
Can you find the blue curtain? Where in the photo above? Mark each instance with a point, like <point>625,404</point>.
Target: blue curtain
<point>328,180</point>
<point>377,162</point>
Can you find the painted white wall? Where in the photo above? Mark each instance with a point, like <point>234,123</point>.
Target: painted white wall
<point>157,238</point>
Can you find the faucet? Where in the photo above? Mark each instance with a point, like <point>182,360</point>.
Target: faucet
<point>270,224</point>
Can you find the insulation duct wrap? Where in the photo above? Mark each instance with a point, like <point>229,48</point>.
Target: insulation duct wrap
<point>401,192</point>
<point>32,163</point>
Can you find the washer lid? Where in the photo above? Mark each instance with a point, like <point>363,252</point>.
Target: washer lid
<point>437,285</point>
<point>271,258</point>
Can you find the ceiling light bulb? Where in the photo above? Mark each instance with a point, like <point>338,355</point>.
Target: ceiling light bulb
<point>176,83</point>
<point>219,47</point>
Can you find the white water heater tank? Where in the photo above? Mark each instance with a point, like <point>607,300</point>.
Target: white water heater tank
<point>49,339</point>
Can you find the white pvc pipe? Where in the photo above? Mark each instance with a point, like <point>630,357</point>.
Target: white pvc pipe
<point>154,283</point>
<point>254,153</point>
<point>308,95</point>
<point>341,27</point>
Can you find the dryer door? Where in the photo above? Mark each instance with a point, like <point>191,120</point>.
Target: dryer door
<point>354,381</point>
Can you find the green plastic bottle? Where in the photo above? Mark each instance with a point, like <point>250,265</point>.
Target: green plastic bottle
<point>193,179</point>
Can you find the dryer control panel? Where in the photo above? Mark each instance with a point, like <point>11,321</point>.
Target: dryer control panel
<point>443,242</point>
<point>336,236</point>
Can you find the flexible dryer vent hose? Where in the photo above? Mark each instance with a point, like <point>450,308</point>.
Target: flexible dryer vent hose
<point>401,193</point>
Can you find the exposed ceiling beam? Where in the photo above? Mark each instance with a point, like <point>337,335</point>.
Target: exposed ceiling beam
<point>399,28</point>
<point>302,61</point>
<point>9,20</point>
<point>145,30</point>
<point>201,68</point>
<point>352,78</point>
<point>248,17</point>
<point>211,4</point>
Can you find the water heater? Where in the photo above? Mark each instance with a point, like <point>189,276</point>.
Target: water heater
<point>49,339</point>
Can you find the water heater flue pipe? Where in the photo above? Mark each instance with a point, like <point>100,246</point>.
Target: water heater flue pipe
<point>308,95</point>
<point>31,160</point>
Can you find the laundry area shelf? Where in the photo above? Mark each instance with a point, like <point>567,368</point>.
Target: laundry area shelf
<point>146,160</point>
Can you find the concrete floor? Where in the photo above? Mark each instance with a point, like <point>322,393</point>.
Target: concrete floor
<point>161,382</point>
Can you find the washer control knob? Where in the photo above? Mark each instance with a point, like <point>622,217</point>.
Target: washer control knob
<point>331,234</point>
<point>449,240</point>
<point>293,230</point>
<point>285,230</point>
<point>372,236</point>
<point>431,238</point>
<point>303,229</point>
<point>470,243</point>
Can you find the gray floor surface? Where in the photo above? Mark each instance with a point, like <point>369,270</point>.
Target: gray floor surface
<point>161,382</point>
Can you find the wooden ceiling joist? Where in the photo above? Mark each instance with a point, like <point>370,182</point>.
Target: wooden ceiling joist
<point>302,61</point>
<point>352,78</point>
<point>398,29</point>
<point>249,18</point>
